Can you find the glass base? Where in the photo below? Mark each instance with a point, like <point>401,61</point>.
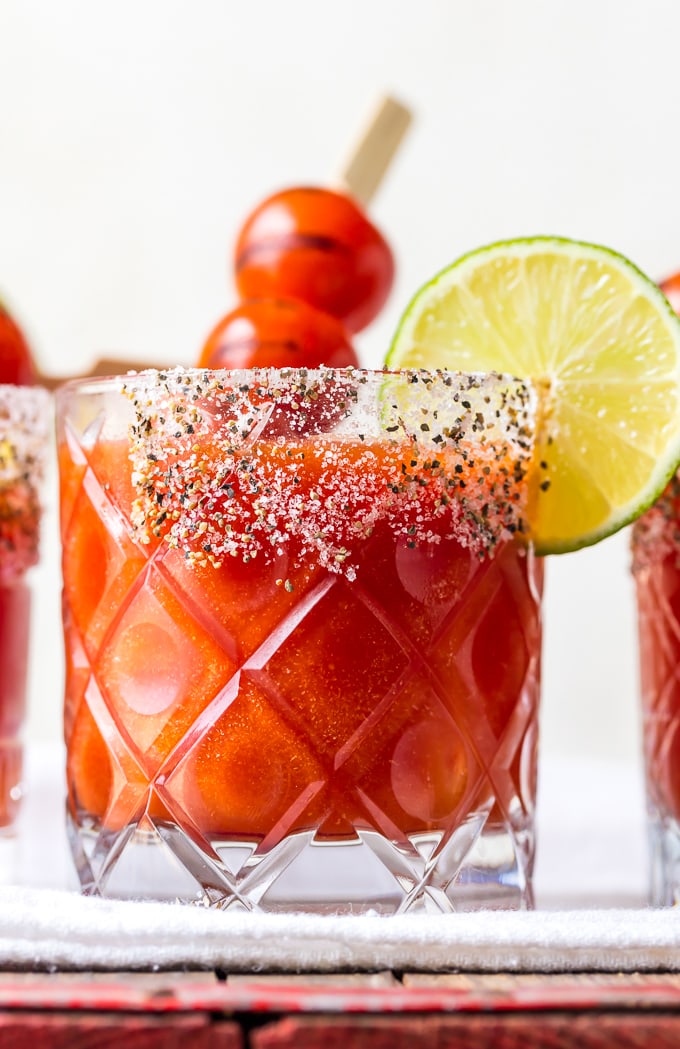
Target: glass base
<point>664,856</point>
<point>473,869</point>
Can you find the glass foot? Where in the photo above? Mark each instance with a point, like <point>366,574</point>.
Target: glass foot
<point>664,856</point>
<point>475,868</point>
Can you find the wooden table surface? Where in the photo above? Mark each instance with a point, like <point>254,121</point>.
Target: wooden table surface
<point>413,1011</point>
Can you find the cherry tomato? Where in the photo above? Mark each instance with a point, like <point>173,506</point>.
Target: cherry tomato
<point>318,246</point>
<point>16,362</point>
<point>277,333</point>
<point>671,289</point>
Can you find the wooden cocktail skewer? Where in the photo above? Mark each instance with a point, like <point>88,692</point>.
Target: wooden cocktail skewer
<point>360,177</point>
<point>374,151</point>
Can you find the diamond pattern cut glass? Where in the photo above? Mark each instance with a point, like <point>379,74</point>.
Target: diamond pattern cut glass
<point>302,632</point>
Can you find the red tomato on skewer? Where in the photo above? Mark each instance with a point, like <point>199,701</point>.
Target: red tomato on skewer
<point>16,362</point>
<point>277,333</point>
<point>318,246</point>
<point>671,289</point>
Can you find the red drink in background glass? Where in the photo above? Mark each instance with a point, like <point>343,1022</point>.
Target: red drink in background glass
<point>656,567</point>
<point>24,423</point>
<point>303,634</point>
<point>15,611</point>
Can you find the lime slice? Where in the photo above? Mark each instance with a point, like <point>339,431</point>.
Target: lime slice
<point>601,344</point>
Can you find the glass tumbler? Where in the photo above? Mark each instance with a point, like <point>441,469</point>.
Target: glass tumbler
<point>24,428</point>
<point>302,630</point>
<point>656,570</point>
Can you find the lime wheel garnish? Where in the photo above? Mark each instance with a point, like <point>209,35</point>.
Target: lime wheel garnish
<point>602,347</point>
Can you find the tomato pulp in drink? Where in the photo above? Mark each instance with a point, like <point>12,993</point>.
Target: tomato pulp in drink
<point>249,698</point>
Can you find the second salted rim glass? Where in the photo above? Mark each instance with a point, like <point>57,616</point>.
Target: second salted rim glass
<point>25,417</point>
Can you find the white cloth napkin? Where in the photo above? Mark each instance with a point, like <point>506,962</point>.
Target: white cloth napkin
<point>50,929</point>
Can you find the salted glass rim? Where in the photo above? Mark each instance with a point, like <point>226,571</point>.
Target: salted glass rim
<point>451,445</point>
<point>95,384</point>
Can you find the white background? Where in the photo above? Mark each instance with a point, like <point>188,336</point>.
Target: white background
<point>135,136</point>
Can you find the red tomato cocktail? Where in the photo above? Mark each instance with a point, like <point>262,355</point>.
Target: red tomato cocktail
<point>302,629</point>
<point>656,567</point>
<point>24,423</point>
